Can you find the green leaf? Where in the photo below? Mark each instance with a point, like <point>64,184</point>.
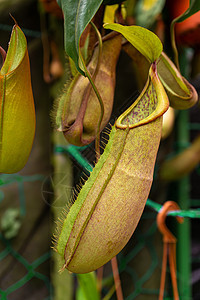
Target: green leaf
<point>145,41</point>
<point>193,8</point>
<point>77,15</point>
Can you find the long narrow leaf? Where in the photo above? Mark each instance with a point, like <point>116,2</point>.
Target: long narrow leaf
<point>145,41</point>
<point>77,15</point>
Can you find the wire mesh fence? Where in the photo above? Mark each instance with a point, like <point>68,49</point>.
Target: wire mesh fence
<point>143,241</point>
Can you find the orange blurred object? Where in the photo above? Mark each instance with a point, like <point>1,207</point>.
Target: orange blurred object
<point>52,7</point>
<point>188,31</point>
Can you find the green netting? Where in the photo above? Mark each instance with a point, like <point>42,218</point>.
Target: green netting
<point>31,272</point>
<point>31,268</point>
<point>144,239</point>
<point>7,179</point>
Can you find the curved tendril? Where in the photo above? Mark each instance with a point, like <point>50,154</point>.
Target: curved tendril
<point>173,42</point>
<point>91,79</point>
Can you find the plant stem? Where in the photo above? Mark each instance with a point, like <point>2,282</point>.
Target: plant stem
<point>91,79</point>
<point>118,287</point>
<point>97,141</point>
<point>173,42</point>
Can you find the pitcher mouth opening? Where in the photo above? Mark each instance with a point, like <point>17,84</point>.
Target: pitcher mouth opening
<point>151,104</point>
